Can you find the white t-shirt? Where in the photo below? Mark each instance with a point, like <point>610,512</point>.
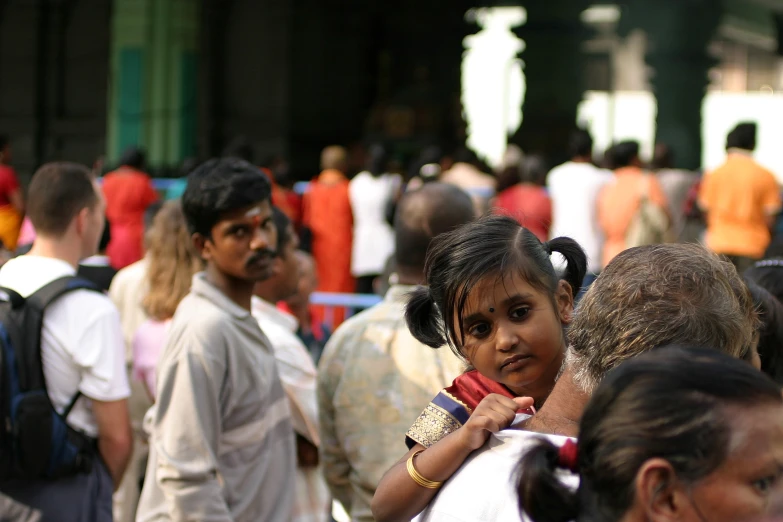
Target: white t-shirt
<point>81,341</point>
<point>574,189</point>
<point>373,237</point>
<point>484,488</point>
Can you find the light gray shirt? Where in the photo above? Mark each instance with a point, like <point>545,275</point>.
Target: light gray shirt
<point>222,445</point>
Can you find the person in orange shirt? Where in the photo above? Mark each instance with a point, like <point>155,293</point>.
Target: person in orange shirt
<point>741,199</point>
<point>128,192</point>
<point>619,201</point>
<point>327,215</point>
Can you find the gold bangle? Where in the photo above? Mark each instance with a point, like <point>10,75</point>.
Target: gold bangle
<point>418,479</point>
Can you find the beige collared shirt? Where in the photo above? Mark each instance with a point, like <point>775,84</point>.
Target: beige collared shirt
<point>222,444</point>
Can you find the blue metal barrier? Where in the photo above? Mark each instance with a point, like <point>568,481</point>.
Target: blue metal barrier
<point>301,187</point>
<point>350,302</point>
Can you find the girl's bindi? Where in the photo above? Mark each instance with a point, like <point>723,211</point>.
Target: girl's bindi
<point>491,310</point>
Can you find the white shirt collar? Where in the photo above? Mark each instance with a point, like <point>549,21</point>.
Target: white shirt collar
<point>260,307</point>
<point>96,260</point>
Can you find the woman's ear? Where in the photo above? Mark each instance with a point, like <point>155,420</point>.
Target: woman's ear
<point>659,494</point>
<point>564,301</point>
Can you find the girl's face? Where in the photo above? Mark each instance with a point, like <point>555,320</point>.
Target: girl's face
<point>513,333</point>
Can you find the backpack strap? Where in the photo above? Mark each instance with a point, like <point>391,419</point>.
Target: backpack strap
<point>48,293</point>
<point>71,404</point>
<point>30,323</point>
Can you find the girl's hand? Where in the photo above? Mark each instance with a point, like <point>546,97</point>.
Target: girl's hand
<point>494,413</point>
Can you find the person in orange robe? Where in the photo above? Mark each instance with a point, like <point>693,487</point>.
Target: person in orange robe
<point>128,192</point>
<point>327,214</point>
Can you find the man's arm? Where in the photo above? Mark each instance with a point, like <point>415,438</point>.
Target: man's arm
<point>186,435</point>
<point>115,439</point>
<point>104,381</point>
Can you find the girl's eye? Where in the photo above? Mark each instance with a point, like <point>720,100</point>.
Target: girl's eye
<point>765,485</point>
<point>479,330</point>
<point>519,313</point>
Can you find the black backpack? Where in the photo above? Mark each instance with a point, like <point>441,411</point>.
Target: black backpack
<point>35,441</point>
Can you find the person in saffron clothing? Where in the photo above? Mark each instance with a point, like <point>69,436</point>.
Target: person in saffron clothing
<point>504,311</point>
<point>328,217</point>
<point>128,192</point>
<point>11,200</point>
<point>528,201</point>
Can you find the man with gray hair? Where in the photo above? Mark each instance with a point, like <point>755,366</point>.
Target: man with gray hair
<point>647,297</point>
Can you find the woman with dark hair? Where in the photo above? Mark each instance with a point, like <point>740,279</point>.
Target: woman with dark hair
<point>770,343</point>
<point>371,192</point>
<point>128,192</point>
<point>691,435</point>
<point>768,274</point>
<point>495,299</point>
<point>527,200</point>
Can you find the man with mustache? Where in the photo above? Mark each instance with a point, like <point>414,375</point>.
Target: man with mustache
<point>222,444</point>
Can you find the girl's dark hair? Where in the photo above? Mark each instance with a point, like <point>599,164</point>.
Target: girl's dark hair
<point>770,346</point>
<point>669,403</point>
<point>458,260</point>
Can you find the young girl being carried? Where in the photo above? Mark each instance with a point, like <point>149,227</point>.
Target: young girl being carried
<point>496,299</point>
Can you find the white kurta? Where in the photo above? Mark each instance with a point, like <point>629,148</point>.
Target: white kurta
<point>373,237</point>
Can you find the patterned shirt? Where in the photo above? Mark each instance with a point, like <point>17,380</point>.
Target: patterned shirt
<point>374,380</point>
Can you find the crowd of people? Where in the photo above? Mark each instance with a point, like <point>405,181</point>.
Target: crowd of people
<point>602,340</point>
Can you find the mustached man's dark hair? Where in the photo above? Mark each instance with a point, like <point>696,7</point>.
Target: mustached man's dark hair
<point>459,260</point>
<point>220,186</point>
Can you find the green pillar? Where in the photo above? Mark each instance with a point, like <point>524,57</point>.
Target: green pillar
<point>154,76</point>
<point>678,34</point>
<point>553,64</point>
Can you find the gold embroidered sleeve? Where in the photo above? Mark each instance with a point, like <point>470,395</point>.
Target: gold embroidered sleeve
<point>433,424</point>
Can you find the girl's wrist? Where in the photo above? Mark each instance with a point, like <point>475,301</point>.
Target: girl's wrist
<point>464,437</point>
